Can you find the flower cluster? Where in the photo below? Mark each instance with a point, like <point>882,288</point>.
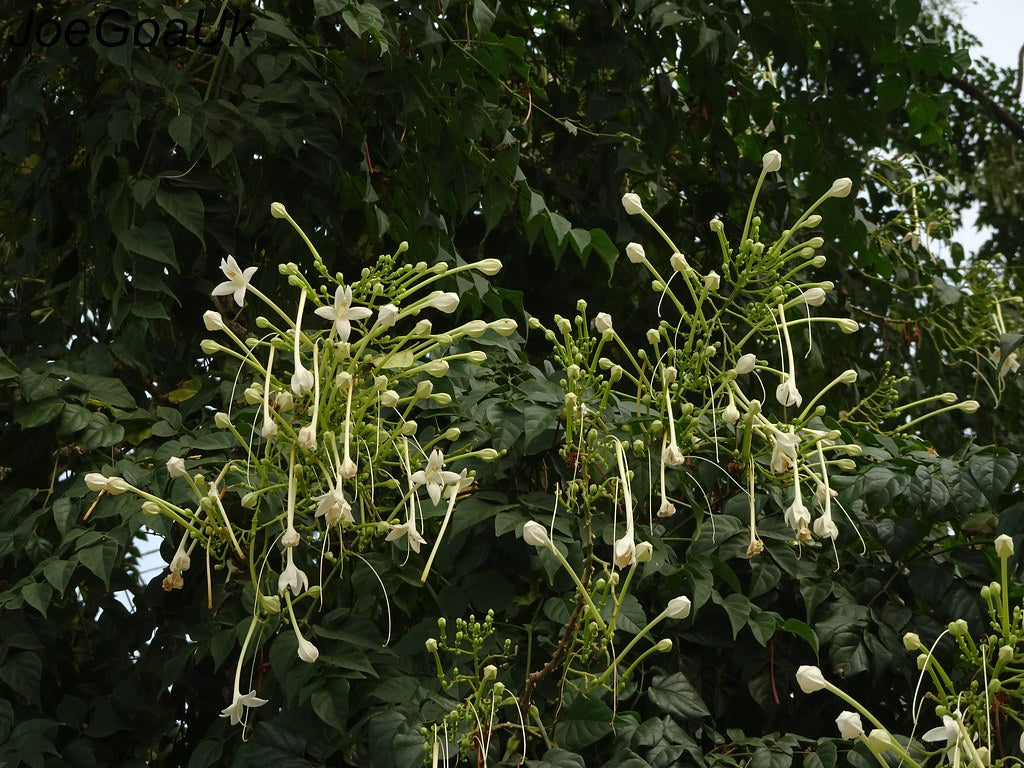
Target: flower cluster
<point>334,462</point>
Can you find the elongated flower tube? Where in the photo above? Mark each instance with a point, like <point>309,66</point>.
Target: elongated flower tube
<point>307,434</point>
<point>290,538</point>
<point>348,468</point>
<point>461,482</point>
<point>408,528</point>
<point>236,709</point>
<point>302,379</point>
<point>798,516</point>
<point>625,547</point>
<point>671,454</point>
<point>787,393</point>
<point>667,508</point>
<point>824,526</point>
<point>269,430</point>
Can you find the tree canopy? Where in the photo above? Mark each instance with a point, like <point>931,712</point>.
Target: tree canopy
<point>679,482</point>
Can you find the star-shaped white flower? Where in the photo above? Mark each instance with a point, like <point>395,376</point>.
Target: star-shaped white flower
<point>237,282</point>
<point>435,477</point>
<point>334,507</point>
<point>343,313</point>
<point>236,710</point>
<point>408,528</point>
<point>948,732</point>
<point>292,578</point>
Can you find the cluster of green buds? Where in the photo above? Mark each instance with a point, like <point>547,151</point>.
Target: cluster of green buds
<point>332,462</point>
<point>979,702</point>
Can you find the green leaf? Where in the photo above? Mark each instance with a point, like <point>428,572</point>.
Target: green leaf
<point>36,413</point>
<point>330,703</point>
<point>765,757</point>
<point>676,695</point>
<point>151,240</point>
<point>993,474</point>
<point>37,595</point>
<point>6,719</point>
<point>23,672</point>
<point>186,207</point>
<point>206,754</point>
<point>100,559</point>
<point>737,607</point>
<point>824,755</point>
<point>605,249</point>
<point>801,630</point>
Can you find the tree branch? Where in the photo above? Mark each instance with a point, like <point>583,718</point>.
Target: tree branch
<point>1005,118</point>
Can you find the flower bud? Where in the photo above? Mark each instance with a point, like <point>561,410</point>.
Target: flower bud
<point>389,398</point>
<point>487,454</point>
<point>445,302</point>
<point>678,607</point>
<point>813,297</point>
<point>846,325</point>
<point>490,672</point>
<point>664,645</point>
<point>222,420</point>
<point>176,467</point>
<point>644,551</point>
<point>679,263</point>
<point>850,725</point>
<point>506,326</point>
<point>488,266</point>
<point>812,221</point>
<point>150,508</point>
<point>253,395</point>
<point>213,321</point>
<point>603,322</point>
<point>712,280</point>
<point>409,428</point>
<point>635,253</point>
<point>431,645</point>
<point>270,604</point>
<point>209,346</point>
<point>716,225</point>
<point>840,187</point>
<point>969,406</point>
<point>387,315</point>
<point>307,651</point>
<point>810,679</point>
<point>477,356</point>
<point>631,203</point>
<point>277,210</point>
<point>535,534</point>
<point>911,641</point>
<point>436,367</point>
<point>1004,545</point>
<point>730,414</point>
<point>771,161</point>
<point>116,486</point>
<point>848,376</point>
<point>745,364</point>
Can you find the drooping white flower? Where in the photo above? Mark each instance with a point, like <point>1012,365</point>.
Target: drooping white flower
<point>408,528</point>
<point>292,577</point>
<point>850,725</point>
<point>797,515</point>
<point>625,546</point>
<point>787,394</point>
<point>434,476</point>
<point>342,313</point>
<point>631,203</point>
<point>948,732</point>
<point>236,710</point>
<point>810,679</point>
<point>302,378</point>
<point>307,651</point>
<point>635,253</point>
<point>784,450</point>
<point>334,507</point>
<point>625,549</point>
<point>238,280</point>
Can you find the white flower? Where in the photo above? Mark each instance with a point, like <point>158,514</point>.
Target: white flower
<point>176,467</point>
<point>746,364</point>
<point>488,266</point>
<point>292,578</point>
<point>850,726</point>
<point>237,282</point>
<point>667,509</point>
<point>334,507</point>
<point>813,297</point>
<point>269,428</point>
<point>771,161</point>
<point>635,253</point>
<point>631,203</point>
<point>948,732</point>
<point>302,380</point>
<point>712,280</point>
<point>445,302</point>
<point>535,534</point>
<point>784,447</point>
<point>343,313</point>
<point>307,437</point>
<point>236,709</point>
<point>1004,545</point>
<point>408,528</point>
<point>798,516</point>
<point>290,538</point>
<point>434,476</point>
<point>731,414</point>
<point>95,481</point>
<point>672,456</point>
<point>603,322</point>
<point>825,527</point>
<point>678,607</point>
<point>786,393</point>
<point>625,549</point>
<point>307,651</point>
<point>810,679</point>
<point>387,315</point>
<point>181,561</point>
<point>213,321</point>
<point>840,187</point>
